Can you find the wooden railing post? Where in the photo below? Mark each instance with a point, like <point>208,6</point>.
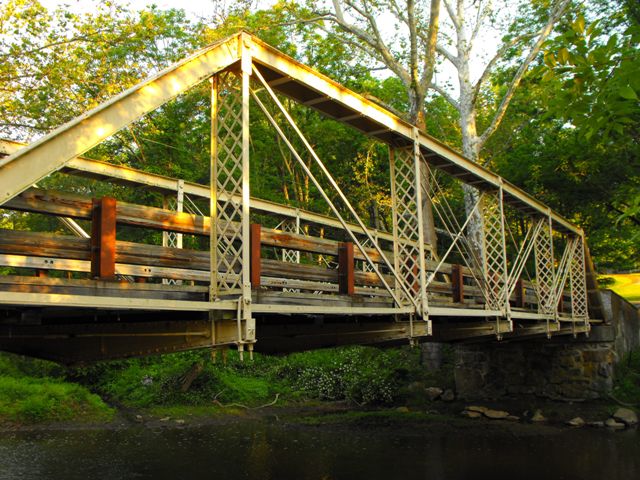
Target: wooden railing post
<point>346,269</point>
<point>457,283</point>
<point>103,238</point>
<point>520,294</point>
<point>254,234</point>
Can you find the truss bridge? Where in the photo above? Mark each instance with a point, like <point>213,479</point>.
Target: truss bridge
<point>227,269</point>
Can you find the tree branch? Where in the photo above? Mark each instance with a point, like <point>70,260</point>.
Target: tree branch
<point>431,44</point>
<point>447,54</point>
<point>441,91</point>
<point>499,54</point>
<point>556,13</point>
<point>452,14</point>
<point>374,41</point>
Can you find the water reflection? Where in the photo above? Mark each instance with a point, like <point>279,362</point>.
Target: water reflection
<point>260,451</point>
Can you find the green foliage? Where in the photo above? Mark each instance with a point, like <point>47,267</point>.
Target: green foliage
<point>571,139</point>
<point>358,374</point>
<point>29,395</point>
<point>157,381</point>
<point>627,378</point>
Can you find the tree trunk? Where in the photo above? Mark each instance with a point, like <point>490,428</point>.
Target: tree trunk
<point>430,236</point>
<point>471,194</point>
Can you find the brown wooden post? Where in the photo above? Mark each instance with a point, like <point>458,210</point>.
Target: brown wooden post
<point>457,283</point>
<point>254,234</point>
<point>346,269</point>
<point>103,238</point>
<point>520,294</point>
<point>42,273</point>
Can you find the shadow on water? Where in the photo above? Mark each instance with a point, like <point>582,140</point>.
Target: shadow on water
<point>261,451</point>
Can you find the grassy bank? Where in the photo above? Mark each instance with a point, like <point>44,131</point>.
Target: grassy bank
<point>191,382</point>
<point>32,392</point>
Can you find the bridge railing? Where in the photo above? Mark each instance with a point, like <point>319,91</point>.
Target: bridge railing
<point>38,251</point>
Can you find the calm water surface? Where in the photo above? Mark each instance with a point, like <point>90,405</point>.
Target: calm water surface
<point>277,451</point>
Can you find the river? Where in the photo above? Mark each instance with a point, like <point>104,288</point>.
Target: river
<point>280,451</point>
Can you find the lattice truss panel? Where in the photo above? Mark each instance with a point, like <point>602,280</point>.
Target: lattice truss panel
<point>171,239</point>
<point>228,178</point>
<point>578,282</point>
<point>545,271</point>
<point>405,222</point>
<point>290,225</point>
<point>495,262</point>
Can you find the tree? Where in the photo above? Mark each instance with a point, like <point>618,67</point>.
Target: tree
<point>571,137</point>
<point>56,64</point>
<point>420,41</point>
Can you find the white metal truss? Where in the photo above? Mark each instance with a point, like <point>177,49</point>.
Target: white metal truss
<point>330,179</point>
<point>230,226</point>
<point>291,225</point>
<point>494,251</point>
<point>545,269</point>
<point>173,239</point>
<point>563,272</point>
<point>524,250</point>
<point>578,280</point>
<point>227,175</point>
<point>456,232</point>
<point>408,228</point>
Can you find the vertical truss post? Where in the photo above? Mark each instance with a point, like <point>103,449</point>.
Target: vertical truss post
<point>246,68</point>
<point>213,192</point>
<point>578,282</point>
<point>230,227</point>
<point>495,252</point>
<point>422,265</point>
<point>545,269</point>
<point>408,233</point>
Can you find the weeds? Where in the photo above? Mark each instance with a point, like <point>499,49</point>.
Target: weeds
<point>360,375</point>
<point>627,378</point>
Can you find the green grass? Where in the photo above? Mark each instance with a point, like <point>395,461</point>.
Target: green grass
<point>361,375</point>
<point>35,391</point>
<point>626,285</point>
<point>28,400</point>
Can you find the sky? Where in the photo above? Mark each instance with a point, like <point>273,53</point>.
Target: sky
<point>193,8</point>
<point>197,9</point>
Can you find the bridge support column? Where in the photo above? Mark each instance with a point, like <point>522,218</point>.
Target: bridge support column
<point>562,367</point>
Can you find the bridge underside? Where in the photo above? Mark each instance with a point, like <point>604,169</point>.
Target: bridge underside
<point>259,275</point>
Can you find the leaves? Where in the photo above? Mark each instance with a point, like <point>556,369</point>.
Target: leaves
<point>628,93</point>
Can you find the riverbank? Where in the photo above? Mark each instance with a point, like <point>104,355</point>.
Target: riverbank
<point>350,386</point>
